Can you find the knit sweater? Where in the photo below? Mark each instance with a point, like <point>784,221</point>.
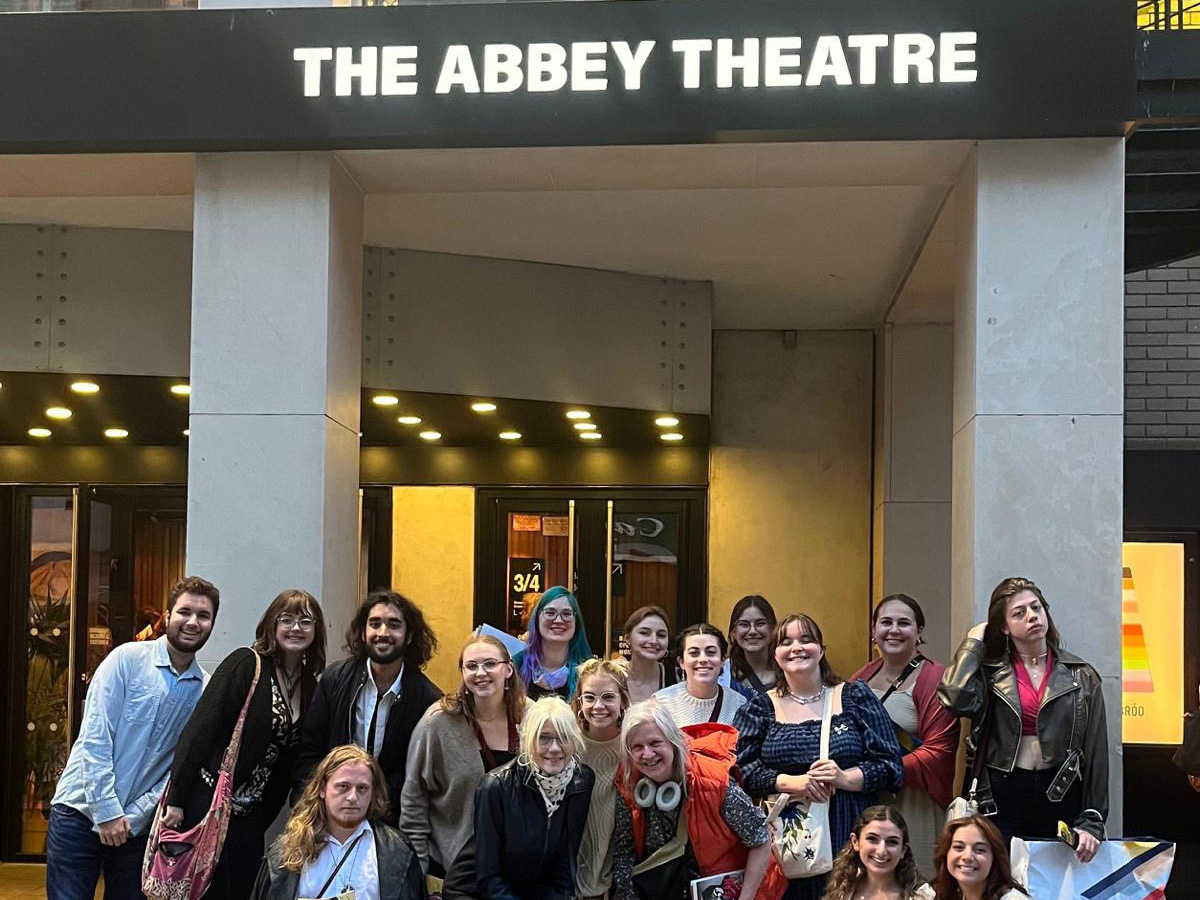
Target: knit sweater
<point>595,854</point>
<point>437,804</point>
<point>688,710</point>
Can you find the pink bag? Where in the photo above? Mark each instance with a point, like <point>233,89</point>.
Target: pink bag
<point>179,865</point>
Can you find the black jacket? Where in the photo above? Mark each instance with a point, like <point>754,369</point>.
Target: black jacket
<point>400,875</point>
<point>208,733</point>
<point>1071,725</point>
<point>328,723</point>
<point>513,855</point>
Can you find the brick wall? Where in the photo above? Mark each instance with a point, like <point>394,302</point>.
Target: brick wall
<point>1162,357</point>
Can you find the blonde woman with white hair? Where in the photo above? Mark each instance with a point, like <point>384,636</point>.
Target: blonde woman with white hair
<point>681,814</point>
<point>530,813</point>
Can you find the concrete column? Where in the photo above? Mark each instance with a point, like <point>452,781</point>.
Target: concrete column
<point>276,375</point>
<point>1038,393</point>
<point>913,408</point>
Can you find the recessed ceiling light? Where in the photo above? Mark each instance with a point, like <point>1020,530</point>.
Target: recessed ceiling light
<point>58,412</point>
<point>585,426</point>
<point>578,414</point>
<point>666,421</point>
<point>116,433</point>
<point>483,407</point>
<point>85,387</point>
<point>187,432</point>
<point>40,432</point>
<point>409,420</point>
<point>385,400</point>
<point>510,435</point>
<point>181,390</point>
<point>430,435</point>
<point>591,435</point>
<point>671,436</point>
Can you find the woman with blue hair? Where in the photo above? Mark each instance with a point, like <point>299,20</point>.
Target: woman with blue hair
<point>557,645</point>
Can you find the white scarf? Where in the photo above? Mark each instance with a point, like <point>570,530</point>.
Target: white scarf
<point>553,787</point>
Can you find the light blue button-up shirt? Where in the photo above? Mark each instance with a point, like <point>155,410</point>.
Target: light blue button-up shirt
<point>136,707</point>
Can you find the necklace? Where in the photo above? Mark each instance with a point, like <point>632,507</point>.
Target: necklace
<point>1033,660</point>
<point>805,700</point>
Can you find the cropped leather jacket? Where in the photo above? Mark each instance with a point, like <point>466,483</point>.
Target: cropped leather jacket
<point>1071,725</point>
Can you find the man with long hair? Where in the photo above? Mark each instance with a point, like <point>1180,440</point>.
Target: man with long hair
<point>375,698</point>
<point>336,843</point>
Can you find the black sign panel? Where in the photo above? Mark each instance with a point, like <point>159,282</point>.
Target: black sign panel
<point>565,73</point>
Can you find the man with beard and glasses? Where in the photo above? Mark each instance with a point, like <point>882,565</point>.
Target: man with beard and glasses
<point>336,843</point>
<point>375,698</point>
<point>137,704</point>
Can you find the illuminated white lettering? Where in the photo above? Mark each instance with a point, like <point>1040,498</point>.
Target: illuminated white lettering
<point>346,70</point>
<point>632,61</point>
<point>828,61</point>
<point>502,73</point>
<point>458,70</point>
<point>728,61</point>
<point>867,45</point>
<point>312,57</point>
<point>392,69</point>
<point>776,59</point>
<point>952,54</point>
<point>691,48</point>
<point>588,72</point>
<point>547,67</point>
<point>911,51</point>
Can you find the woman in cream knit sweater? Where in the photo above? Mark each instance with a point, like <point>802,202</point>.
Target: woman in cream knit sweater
<point>601,698</point>
<point>459,739</point>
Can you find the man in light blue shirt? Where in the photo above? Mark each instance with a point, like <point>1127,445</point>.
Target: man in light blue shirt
<point>137,704</point>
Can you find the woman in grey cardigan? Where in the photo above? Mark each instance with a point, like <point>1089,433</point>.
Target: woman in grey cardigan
<point>460,738</point>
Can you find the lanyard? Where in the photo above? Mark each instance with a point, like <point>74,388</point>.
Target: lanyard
<point>345,855</point>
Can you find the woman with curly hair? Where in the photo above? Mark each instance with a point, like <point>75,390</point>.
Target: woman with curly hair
<point>877,863</point>
<point>971,864</point>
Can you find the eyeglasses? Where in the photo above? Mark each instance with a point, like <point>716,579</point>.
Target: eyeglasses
<point>551,615</point>
<point>488,665</point>
<point>757,625</point>
<point>547,740</point>
<point>289,622</point>
<point>606,697</point>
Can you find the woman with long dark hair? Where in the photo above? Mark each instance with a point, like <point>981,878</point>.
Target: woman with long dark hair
<point>877,863</point>
<point>906,682</point>
<point>462,737</point>
<point>290,645</point>
<point>779,739</point>
<point>751,624</point>
<point>971,863</point>
<point>557,645</point>
<point>1038,736</point>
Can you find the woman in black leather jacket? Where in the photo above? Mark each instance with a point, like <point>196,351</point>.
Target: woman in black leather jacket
<point>530,813</point>
<point>1037,718</point>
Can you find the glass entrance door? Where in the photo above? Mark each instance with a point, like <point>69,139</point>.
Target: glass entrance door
<point>618,550</point>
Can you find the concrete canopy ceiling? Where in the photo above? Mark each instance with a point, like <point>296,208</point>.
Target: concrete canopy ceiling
<point>792,236</point>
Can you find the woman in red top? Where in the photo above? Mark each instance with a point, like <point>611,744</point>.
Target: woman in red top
<point>906,682</point>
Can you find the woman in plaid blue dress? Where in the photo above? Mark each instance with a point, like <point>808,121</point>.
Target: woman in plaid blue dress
<point>779,739</point>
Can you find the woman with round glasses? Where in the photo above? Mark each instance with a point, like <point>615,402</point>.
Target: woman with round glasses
<point>600,705</point>
<point>750,627</point>
<point>557,645</point>
<point>461,737</point>
<point>290,647</point>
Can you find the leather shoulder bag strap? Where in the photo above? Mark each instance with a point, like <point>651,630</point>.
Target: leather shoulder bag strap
<point>903,677</point>
<point>716,711</point>
<point>229,760</point>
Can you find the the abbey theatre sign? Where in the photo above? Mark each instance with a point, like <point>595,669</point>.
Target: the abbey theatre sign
<point>559,73</point>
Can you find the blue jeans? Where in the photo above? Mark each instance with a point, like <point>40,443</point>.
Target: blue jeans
<point>75,858</point>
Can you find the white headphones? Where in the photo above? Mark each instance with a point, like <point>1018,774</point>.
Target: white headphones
<point>665,796</point>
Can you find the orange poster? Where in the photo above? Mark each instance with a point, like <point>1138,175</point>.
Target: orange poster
<point>1152,643</point>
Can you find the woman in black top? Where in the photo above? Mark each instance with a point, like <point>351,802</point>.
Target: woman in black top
<point>290,641</point>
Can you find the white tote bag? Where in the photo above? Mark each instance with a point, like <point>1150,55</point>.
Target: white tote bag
<point>800,831</point>
<point>1121,869</point>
